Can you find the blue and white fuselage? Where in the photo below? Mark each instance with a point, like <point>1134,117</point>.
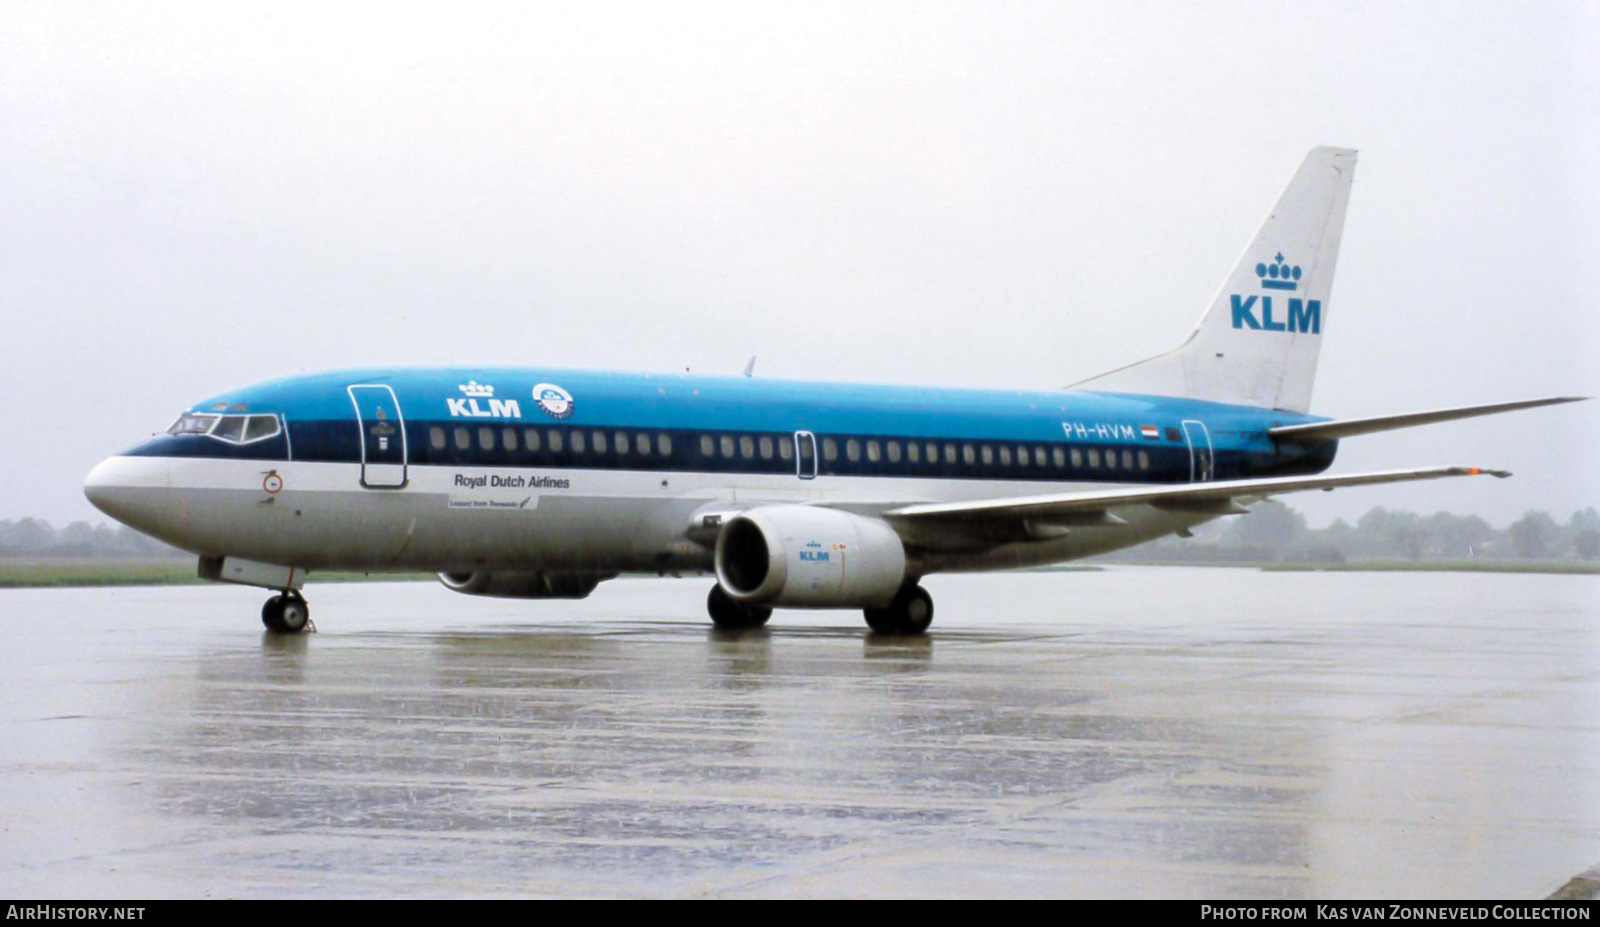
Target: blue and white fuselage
<point>457,470</point>
<point>541,483</point>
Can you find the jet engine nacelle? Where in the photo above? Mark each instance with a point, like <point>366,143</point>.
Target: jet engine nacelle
<point>808,557</point>
<point>524,585</point>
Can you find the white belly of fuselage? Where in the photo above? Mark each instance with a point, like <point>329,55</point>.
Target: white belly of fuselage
<point>455,518</point>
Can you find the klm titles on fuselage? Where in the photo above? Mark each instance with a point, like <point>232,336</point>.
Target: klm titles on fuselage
<point>477,401</point>
<point>1304,315</point>
<point>493,408</point>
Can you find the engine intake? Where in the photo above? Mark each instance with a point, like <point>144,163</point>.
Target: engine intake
<point>800,556</point>
<point>524,585</point>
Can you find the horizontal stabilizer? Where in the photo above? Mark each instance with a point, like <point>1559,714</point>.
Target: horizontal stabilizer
<point>1350,427</point>
<point>1185,495</point>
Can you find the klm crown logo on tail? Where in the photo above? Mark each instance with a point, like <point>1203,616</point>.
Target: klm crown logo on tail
<point>1258,340</point>
<point>1305,315</point>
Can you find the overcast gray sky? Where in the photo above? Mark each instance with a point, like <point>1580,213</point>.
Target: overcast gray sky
<point>986,194</point>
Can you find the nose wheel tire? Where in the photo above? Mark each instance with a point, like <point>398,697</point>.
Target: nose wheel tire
<point>734,616</point>
<point>288,613</point>
<point>911,612</point>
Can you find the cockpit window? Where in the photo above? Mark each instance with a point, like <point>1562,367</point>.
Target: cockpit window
<point>259,427</point>
<point>234,429</point>
<point>192,425</point>
<point>230,429</point>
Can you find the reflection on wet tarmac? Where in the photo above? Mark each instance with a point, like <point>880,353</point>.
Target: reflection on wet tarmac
<point>1137,743</point>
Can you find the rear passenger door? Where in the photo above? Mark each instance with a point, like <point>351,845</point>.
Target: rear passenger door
<point>383,436</point>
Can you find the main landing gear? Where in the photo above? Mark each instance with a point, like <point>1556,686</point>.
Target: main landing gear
<point>286,613</point>
<point>734,616</point>
<point>910,612</point>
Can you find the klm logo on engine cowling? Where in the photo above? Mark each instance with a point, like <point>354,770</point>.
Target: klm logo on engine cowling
<point>813,553</point>
<point>492,408</point>
<point>1303,315</point>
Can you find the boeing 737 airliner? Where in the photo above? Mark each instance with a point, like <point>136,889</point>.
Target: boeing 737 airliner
<point>542,483</point>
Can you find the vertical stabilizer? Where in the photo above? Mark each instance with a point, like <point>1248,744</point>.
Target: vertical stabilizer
<point>1257,344</point>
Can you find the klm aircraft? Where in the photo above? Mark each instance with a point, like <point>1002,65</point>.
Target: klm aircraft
<point>542,483</point>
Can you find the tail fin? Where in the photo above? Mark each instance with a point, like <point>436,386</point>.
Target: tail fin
<point>1257,345</point>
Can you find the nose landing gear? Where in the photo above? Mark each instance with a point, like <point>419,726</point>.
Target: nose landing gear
<point>286,613</point>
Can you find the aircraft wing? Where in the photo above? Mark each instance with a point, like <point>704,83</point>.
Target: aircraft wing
<point>1217,497</point>
<point>1350,427</point>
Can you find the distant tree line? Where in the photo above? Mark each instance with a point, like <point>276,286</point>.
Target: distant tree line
<point>1272,532</point>
<point>32,537</point>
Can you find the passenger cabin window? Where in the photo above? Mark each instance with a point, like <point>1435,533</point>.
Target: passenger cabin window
<point>753,452</point>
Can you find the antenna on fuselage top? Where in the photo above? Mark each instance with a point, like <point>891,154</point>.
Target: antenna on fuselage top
<point>750,368</point>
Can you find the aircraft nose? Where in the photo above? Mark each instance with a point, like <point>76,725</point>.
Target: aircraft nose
<point>102,489</point>
<point>122,488</point>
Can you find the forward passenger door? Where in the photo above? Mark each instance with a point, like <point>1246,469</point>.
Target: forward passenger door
<point>383,436</point>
